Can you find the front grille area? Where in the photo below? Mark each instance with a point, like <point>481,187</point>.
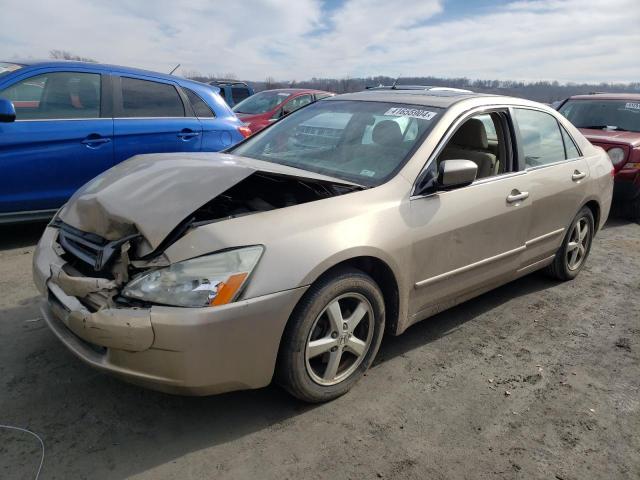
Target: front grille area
<point>88,252</point>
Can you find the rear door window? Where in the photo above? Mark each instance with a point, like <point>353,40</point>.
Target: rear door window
<point>144,98</point>
<point>297,102</point>
<point>540,137</point>
<point>56,95</point>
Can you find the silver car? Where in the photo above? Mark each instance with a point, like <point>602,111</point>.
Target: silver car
<point>291,254</point>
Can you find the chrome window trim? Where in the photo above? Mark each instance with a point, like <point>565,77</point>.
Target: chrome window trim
<point>447,136</point>
<point>61,119</point>
<point>102,118</point>
<point>153,118</point>
<point>481,181</point>
<point>546,165</point>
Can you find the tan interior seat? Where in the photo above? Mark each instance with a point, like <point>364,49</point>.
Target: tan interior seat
<point>470,143</point>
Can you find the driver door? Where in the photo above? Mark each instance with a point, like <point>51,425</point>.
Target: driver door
<point>470,239</point>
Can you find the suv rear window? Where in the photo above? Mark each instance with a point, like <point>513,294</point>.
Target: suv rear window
<point>143,98</point>
<point>239,94</point>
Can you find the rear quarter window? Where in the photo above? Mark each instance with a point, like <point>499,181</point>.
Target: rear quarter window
<point>200,107</point>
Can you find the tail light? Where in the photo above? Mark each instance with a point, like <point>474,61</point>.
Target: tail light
<point>244,131</point>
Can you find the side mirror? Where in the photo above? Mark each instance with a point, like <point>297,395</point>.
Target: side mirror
<point>456,173</point>
<point>7,111</point>
<point>285,112</point>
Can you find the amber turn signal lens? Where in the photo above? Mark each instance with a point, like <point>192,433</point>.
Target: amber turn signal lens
<point>227,290</point>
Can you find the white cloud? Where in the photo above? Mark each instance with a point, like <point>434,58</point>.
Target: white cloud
<point>567,40</point>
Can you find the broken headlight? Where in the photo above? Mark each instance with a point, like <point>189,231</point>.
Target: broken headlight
<point>200,282</point>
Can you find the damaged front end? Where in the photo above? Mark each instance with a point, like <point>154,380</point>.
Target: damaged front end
<point>89,273</point>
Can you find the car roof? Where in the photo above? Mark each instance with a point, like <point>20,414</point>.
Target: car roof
<point>228,82</point>
<point>419,87</point>
<point>437,98</point>
<point>607,96</point>
<point>98,66</point>
<point>294,90</point>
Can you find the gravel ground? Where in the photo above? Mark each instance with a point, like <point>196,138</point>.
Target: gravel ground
<point>536,379</point>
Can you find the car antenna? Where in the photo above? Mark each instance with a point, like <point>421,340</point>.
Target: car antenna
<point>176,67</point>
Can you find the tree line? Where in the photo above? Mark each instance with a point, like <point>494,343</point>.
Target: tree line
<point>541,91</point>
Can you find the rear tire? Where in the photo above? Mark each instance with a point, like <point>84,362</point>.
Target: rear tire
<point>332,337</point>
<point>573,253</point>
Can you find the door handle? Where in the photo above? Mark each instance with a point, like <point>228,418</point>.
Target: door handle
<point>186,134</point>
<point>516,196</point>
<point>94,141</point>
<point>578,175</point>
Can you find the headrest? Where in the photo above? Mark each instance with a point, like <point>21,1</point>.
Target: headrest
<point>471,134</point>
<point>387,133</point>
<point>87,94</point>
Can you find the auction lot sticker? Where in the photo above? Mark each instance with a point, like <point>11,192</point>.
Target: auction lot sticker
<point>410,112</point>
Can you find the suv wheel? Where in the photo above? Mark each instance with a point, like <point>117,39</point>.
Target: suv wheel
<point>332,337</point>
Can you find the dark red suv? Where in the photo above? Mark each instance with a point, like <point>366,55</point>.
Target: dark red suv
<point>265,107</point>
<point>612,121</point>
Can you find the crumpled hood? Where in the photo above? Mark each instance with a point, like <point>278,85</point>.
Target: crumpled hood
<point>151,194</point>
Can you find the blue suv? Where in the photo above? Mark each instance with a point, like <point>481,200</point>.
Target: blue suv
<point>62,123</point>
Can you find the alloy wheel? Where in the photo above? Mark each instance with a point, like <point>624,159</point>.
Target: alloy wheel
<point>578,243</point>
<point>339,339</point>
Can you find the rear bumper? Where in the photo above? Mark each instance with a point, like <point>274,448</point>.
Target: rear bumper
<point>193,351</point>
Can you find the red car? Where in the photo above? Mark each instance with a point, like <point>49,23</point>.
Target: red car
<point>612,121</point>
<point>263,108</point>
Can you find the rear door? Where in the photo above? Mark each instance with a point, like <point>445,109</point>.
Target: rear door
<point>216,133</point>
<point>62,137</point>
<point>557,174</point>
<point>152,116</point>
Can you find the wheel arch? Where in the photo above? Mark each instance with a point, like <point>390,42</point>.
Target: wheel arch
<point>384,272</point>
<point>594,206</point>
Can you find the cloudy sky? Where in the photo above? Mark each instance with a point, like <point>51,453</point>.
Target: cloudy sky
<point>565,40</point>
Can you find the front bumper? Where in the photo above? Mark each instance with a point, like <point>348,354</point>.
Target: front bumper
<point>626,186</point>
<point>193,351</point>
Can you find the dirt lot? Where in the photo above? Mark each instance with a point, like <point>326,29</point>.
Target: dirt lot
<point>435,405</point>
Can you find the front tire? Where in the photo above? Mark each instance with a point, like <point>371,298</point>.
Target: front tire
<point>575,248</point>
<point>332,337</point>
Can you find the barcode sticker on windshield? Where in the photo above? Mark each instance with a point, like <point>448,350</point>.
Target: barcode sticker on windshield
<point>411,112</point>
<point>632,105</point>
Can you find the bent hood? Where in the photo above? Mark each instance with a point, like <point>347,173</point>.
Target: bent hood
<point>151,194</point>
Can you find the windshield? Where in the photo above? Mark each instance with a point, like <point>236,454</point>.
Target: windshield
<point>7,68</point>
<point>620,115</point>
<point>261,102</point>
<point>362,142</point>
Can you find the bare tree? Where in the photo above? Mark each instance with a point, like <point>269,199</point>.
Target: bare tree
<point>64,55</point>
